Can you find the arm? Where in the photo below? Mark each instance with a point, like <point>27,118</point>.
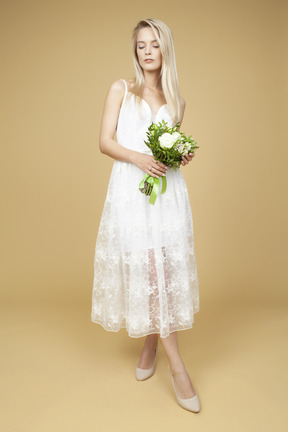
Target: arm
<point>189,156</point>
<point>112,148</point>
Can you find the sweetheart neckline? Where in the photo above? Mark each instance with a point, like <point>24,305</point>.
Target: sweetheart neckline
<point>152,114</point>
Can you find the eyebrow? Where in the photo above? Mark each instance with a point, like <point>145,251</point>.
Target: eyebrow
<point>155,40</point>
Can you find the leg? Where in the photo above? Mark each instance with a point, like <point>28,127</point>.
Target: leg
<point>148,351</point>
<point>181,378</point>
<point>151,342</point>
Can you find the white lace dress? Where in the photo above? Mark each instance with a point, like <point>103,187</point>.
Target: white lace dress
<point>145,274</point>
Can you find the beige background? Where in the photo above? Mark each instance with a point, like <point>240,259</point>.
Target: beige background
<point>60,371</point>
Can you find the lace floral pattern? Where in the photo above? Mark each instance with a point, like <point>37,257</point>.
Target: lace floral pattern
<point>145,273</point>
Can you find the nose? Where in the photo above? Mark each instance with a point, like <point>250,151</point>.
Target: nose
<point>147,49</point>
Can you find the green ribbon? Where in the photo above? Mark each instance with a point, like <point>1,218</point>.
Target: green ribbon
<point>164,185</point>
<point>150,186</point>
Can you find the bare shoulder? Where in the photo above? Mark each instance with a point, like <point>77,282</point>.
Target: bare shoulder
<point>117,87</point>
<point>116,92</point>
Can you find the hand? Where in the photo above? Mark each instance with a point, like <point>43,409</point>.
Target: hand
<point>148,164</point>
<point>187,158</point>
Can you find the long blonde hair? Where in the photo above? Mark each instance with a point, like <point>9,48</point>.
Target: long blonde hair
<point>168,74</point>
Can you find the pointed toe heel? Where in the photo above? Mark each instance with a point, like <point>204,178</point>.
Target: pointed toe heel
<point>190,404</point>
<point>143,374</point>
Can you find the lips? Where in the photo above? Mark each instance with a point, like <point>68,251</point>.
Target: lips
<point>148,61</point>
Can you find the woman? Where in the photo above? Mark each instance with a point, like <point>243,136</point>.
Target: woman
<point>145,274</point>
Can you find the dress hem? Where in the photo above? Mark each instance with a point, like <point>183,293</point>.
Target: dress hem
<point>145,334</point>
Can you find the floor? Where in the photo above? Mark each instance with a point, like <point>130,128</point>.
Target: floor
<point>61,372</point>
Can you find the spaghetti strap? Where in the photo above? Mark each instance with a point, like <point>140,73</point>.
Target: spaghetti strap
<point>126,88</point>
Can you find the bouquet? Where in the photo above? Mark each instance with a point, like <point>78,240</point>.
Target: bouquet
<point>168,146</point>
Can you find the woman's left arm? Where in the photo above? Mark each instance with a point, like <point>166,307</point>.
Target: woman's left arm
<point>188,156</point>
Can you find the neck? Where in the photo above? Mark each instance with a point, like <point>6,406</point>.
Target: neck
<point>152,80</point>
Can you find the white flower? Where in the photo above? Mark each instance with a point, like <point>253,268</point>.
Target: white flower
<point>167,140</point>
<point>183,147</point>
<point>180,148</point>
<point>177,135</point>
<point>187,145</point>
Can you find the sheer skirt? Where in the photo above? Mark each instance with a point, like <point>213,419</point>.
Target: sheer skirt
<point>145,272</point>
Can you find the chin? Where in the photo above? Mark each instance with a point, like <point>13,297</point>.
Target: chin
<point>150,67</point>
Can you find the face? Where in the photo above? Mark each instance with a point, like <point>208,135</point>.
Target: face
<point>148,50</point>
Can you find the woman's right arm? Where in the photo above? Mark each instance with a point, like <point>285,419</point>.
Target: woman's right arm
<point>112,148</point>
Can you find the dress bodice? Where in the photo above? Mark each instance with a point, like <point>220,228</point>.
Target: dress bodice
<point>134,120</point>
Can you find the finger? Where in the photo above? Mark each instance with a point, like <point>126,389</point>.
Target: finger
<point>159,171</point>
<point>161,167</point>
<point>188,157</point>
<point>191,155</point>
<point>152,172</point>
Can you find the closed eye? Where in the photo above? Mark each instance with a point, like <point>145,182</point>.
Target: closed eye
<point>154,46</point>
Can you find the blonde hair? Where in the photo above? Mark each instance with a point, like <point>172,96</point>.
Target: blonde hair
<point>168,74</point>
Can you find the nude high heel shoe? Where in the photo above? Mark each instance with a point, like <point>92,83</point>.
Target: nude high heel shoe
<point>143,374</point>
<point>190,404</point>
